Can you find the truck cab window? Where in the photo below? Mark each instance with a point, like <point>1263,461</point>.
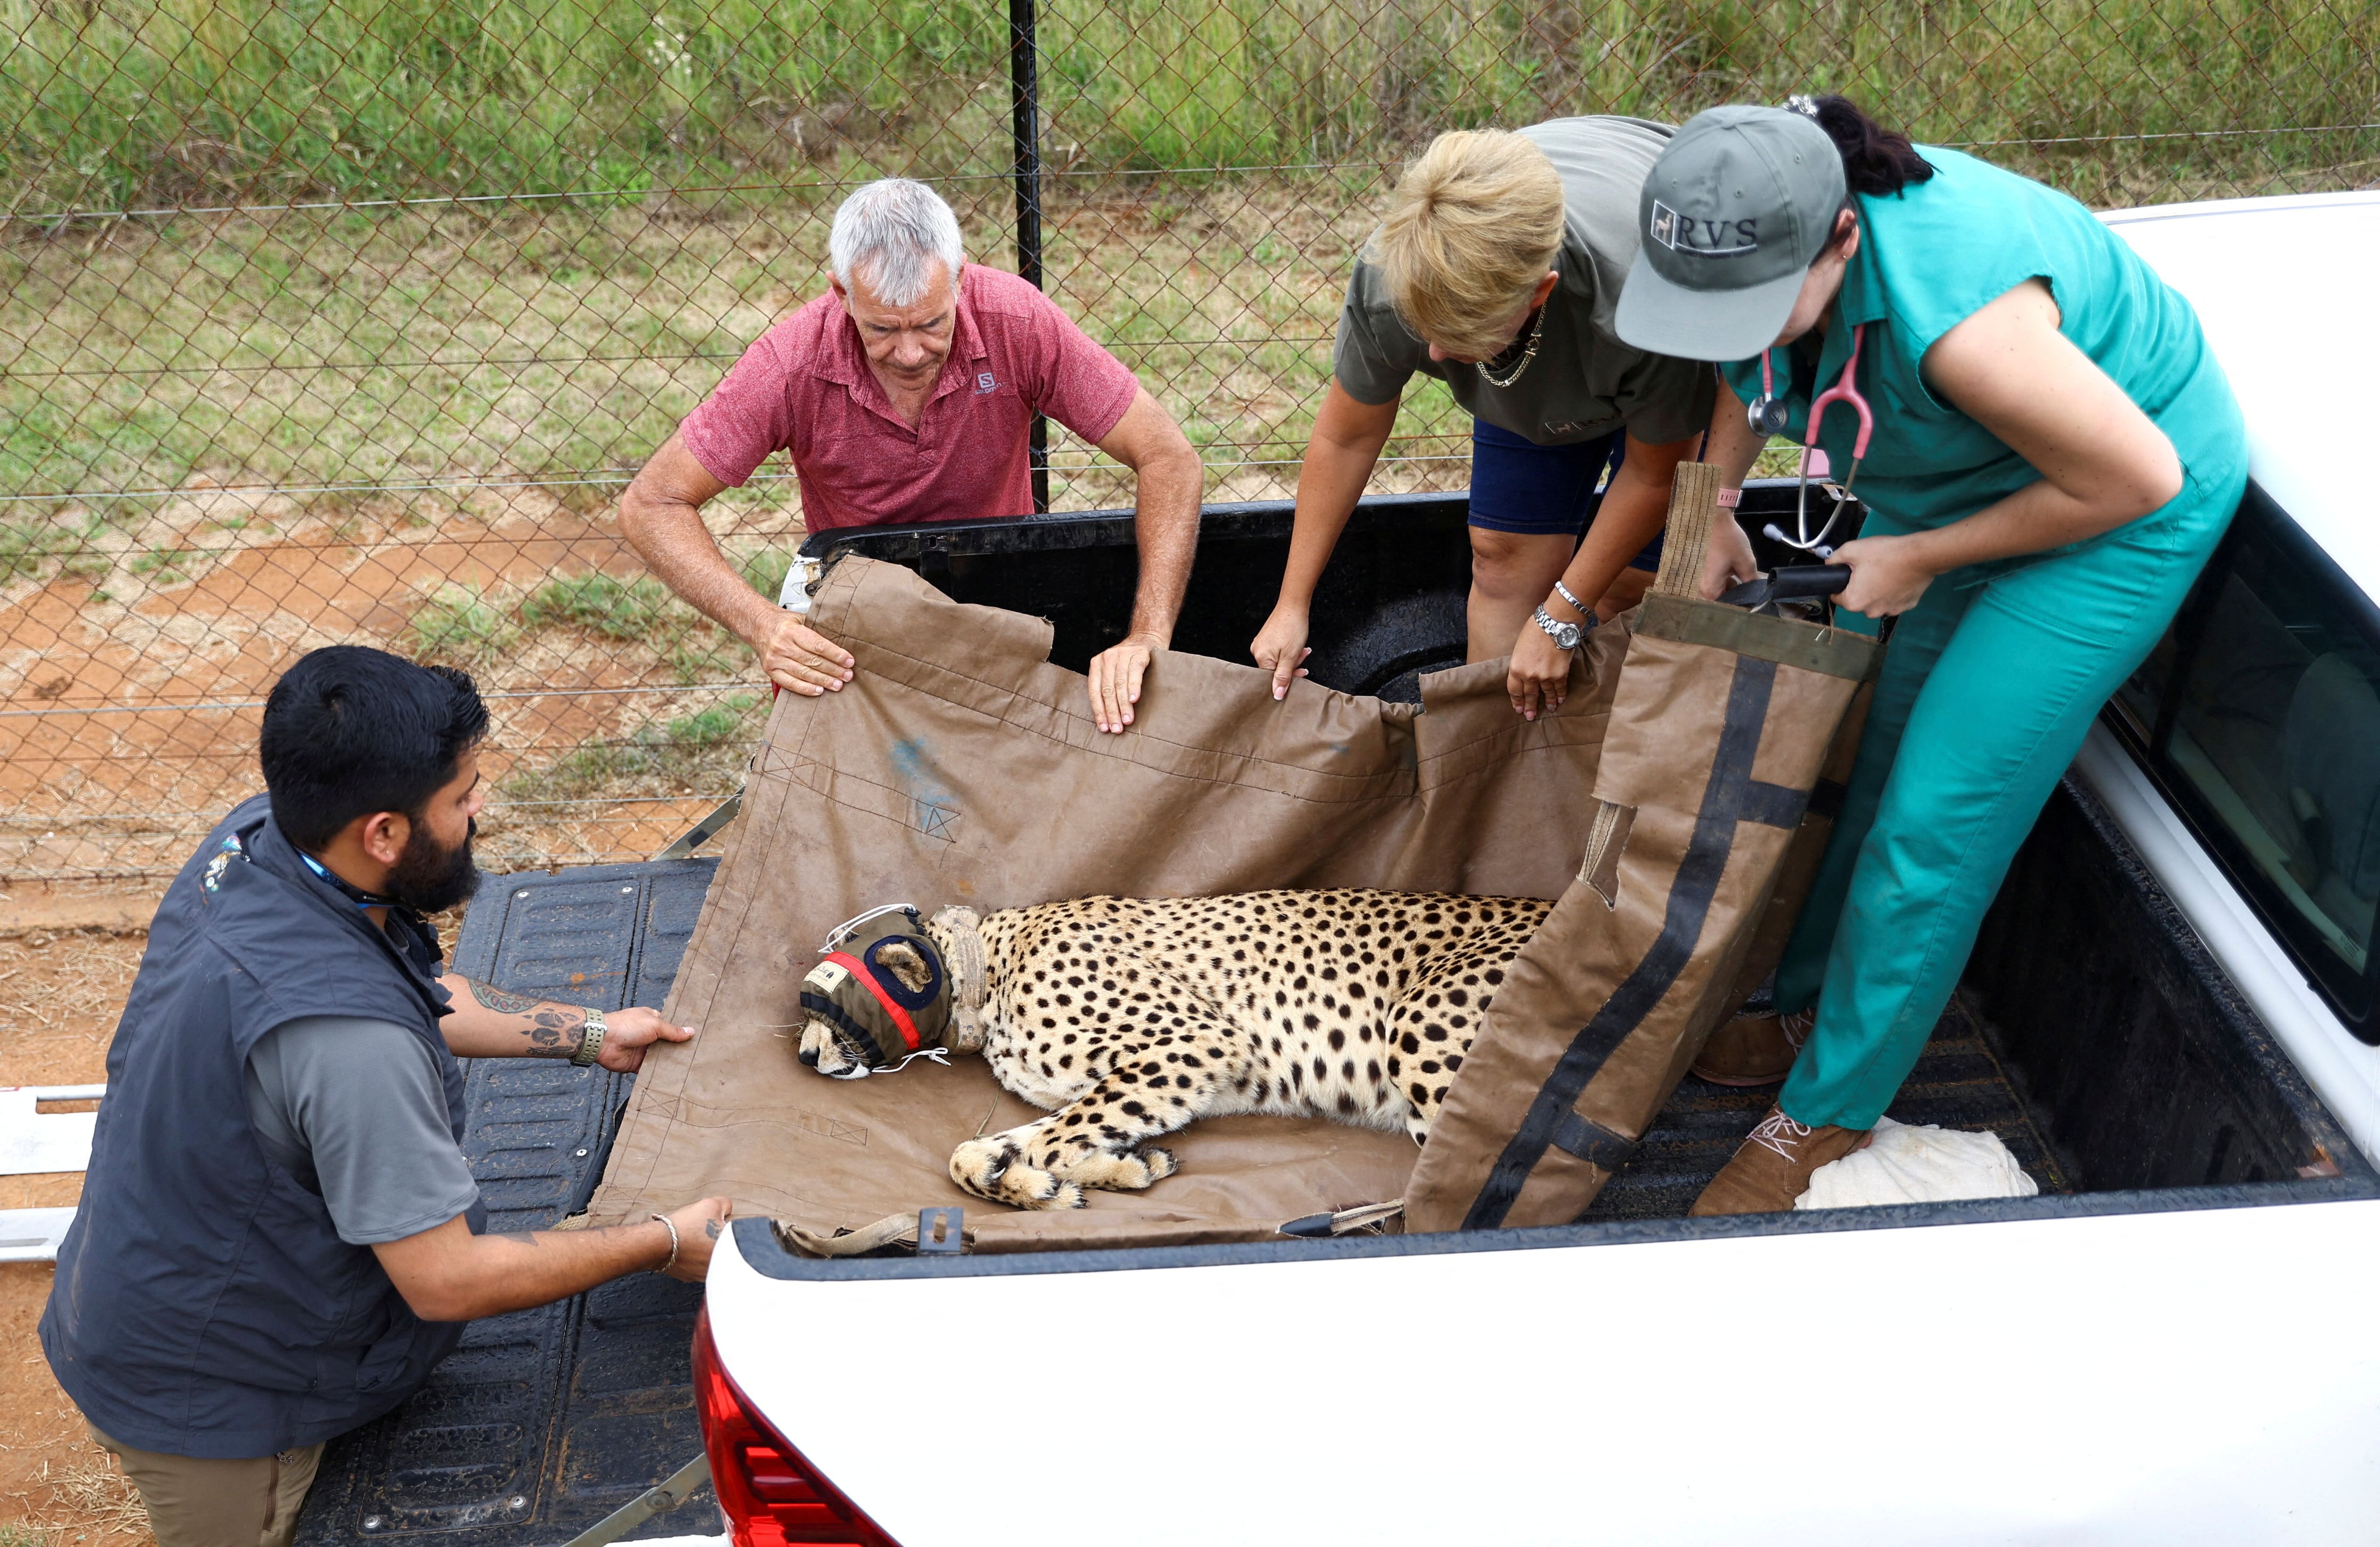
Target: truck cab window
<point>2275,732</point>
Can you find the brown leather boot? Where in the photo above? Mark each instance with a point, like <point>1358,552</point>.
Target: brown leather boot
<point>1754,1049</point>
<point>1772,1166</point>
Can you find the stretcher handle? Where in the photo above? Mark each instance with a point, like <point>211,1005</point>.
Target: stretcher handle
<point>1792,583</point>
<point>1801,582</point>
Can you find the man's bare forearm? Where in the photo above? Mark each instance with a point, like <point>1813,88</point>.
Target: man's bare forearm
<point>660,514</point>
<point>518,1268</point>
<point>669,536</point>
<point>1165,527</point>
<point>491,1022</point>
<point>450,1274</point>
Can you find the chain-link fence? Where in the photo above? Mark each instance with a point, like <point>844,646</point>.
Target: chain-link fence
<point>346,319</point>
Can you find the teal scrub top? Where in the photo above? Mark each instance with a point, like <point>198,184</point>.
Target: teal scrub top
<point>1932,256</point>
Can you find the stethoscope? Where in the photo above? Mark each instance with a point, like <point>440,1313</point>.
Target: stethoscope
<point>1767,416</point>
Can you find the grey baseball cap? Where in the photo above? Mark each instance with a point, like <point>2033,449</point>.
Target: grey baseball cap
<point>1732,217</point>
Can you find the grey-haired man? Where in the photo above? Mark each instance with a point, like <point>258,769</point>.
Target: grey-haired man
<point>904,394</point>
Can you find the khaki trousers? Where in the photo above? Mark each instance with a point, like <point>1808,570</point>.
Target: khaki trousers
<point>195,1503</point>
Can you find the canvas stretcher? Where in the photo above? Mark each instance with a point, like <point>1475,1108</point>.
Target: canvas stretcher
<point>960,766</point>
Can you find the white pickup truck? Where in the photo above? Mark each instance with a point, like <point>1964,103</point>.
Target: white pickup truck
<point>2170,1018</point>
<point>2133,1360</point>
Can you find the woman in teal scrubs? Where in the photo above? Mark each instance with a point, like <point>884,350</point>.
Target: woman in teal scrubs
<point>2054,453</point>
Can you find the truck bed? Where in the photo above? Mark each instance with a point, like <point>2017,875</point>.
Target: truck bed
<point>2092,1034</point>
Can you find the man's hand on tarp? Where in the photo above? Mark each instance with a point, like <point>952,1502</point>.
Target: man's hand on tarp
<point>801,659</point>
<point>1115,679</point>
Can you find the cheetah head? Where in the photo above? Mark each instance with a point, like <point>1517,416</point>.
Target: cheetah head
<point>889,989</point>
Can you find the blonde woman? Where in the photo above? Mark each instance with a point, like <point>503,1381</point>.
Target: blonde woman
<point>1495,271</point>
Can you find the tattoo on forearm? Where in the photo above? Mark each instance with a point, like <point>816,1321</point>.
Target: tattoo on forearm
<point>553,1033</point>
<point>710,1228</point>
<point>501,1001</point>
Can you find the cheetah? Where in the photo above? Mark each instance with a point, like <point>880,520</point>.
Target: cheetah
<point>1129,1019</point>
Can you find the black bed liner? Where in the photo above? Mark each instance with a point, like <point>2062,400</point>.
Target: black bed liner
<point>2092,1032</point>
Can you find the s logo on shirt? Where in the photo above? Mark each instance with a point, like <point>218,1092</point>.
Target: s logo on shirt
<point>984,383</point>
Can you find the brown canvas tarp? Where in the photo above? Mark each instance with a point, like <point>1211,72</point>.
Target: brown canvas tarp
<point>961,766</point>
<point>1661,805</point>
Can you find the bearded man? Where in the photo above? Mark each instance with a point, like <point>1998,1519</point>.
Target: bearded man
<point>278,1234</point>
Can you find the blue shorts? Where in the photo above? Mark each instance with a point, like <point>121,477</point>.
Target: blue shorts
<point>1551,491</point>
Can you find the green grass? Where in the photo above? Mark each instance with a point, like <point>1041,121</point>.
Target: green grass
<point>607,606</point>
<point>16,1534</point>
<point>641,610</point>
<point>418,349</point>
<point>33,546</point>
<point>110,103</point>
<point>702,750</point>
<point>324,350</point>
<point>459,626</point>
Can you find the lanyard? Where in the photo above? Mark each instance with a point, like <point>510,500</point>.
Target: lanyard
<point>354,894</point>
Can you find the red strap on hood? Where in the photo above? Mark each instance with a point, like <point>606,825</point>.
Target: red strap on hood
<point>858,969</point>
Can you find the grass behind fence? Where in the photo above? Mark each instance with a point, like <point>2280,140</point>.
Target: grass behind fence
<point>118,104</point>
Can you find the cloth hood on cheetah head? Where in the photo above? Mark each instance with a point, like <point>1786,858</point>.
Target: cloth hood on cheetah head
<point>884,984</point>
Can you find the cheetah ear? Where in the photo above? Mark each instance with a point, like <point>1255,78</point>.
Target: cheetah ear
<point>907,964</point>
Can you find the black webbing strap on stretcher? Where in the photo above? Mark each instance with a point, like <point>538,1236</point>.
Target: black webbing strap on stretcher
<point>1731,795</point>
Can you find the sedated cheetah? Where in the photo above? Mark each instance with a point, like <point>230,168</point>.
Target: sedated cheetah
<point>1131,1019</point>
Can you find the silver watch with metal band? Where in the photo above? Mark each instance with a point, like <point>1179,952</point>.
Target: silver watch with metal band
<point>1565,635</point>
<point>591,1040</point>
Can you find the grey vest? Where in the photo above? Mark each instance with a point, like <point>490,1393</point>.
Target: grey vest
<point>204,1305</point>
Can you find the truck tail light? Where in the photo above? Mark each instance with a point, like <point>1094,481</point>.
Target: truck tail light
<point>771,1494</point>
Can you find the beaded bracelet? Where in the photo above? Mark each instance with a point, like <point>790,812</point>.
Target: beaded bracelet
<point>671,1226</point>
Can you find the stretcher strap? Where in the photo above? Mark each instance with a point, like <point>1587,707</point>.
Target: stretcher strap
<point>898,1229</point>
<point>1727,800</point>
<point>1694,503</point>
<point>1592,1141</point>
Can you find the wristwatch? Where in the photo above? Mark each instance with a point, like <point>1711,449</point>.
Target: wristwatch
<point>1565,635</point>
<point>591,1040</point>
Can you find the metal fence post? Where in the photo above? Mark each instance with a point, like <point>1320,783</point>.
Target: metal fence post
<point>1024,106</point>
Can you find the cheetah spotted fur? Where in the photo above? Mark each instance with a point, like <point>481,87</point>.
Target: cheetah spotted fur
<point>1128,1019</point>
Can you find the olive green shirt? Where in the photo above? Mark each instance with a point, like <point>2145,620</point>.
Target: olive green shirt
<point>1585,382</point>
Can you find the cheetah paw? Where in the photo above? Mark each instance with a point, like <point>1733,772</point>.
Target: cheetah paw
<point>993,1169</point>
<point>1117,1173</point>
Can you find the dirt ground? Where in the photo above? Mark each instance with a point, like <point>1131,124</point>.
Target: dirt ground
<point>98,793</point>
<point>60,991</point>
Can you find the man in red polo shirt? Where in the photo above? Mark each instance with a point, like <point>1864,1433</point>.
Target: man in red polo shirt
<point>904,396</point>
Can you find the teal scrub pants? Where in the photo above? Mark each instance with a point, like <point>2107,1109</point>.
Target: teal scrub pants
<point>1988,687</point>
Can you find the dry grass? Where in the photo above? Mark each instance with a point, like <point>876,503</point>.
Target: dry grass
<point>61,995</point>
<point>96,1496</point>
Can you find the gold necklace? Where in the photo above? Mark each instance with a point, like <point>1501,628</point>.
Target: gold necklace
<point>1536,328</point>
